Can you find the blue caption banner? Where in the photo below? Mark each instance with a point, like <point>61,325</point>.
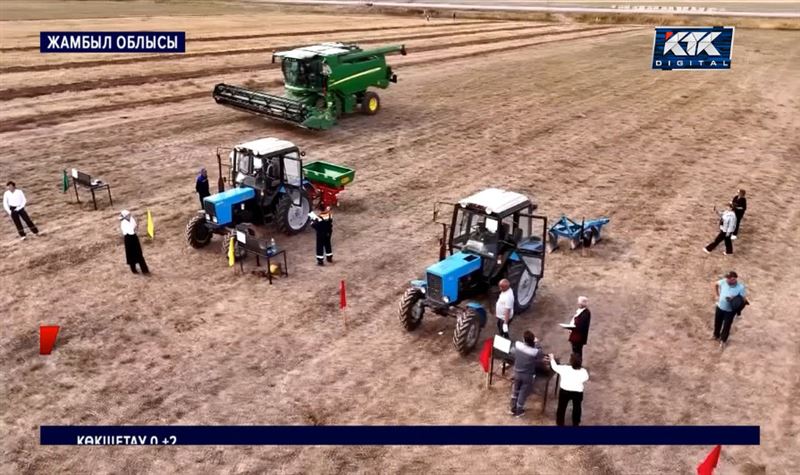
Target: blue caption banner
<point>399,435</point>
<point>112,42</point>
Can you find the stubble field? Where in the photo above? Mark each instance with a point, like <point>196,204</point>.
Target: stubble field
<point>567,113</point>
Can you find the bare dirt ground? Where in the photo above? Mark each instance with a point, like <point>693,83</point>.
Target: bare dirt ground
<point>570,114</point>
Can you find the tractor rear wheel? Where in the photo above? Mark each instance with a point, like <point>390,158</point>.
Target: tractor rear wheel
<point>468,330</point>
<point>290,217</point>
<point>524,285</point>
<point>370,103</point>
<point>197,233</point>
<point>411,309</point>
<point>238,251</point>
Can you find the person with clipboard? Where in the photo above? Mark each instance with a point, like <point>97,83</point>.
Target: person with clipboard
<point>579,326</point>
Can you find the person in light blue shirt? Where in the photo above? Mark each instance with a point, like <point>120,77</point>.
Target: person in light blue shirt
<point>731,298</point>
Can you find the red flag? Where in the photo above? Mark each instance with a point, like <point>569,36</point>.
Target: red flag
<point>342,296</point>
<point>486,354</point>
<point>47,338</point>
<point>708,465</point>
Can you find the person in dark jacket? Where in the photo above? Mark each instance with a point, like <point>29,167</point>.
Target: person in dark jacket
<point>526,354</point>
<point>579,335</point>
<point>739,203</point>
<point>201,185</point>
<point>323,225</point>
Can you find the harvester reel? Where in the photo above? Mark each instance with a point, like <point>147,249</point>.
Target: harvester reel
<point>411,309</point>
<point>467,331</point>
<point>197,233</point>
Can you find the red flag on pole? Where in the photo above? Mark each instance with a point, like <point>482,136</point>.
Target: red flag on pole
<point>47,338</point>
<point>342,296</point>
<point>708,465</point>
<point>486,354</point>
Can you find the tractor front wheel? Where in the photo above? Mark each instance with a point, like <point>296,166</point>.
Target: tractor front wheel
<point>524,285</point>
<point>238,251</point>
<point>411,309</point>
<point>197,233</point>
<point>370,103</point>
<point>292,212</point>
<point>468,330</point>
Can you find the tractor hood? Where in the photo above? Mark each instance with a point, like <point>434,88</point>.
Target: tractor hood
<point>443,276</point>
<point>219,207</point>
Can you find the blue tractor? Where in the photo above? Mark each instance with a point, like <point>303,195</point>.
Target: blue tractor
<point>268,187</point>
<point>491,235</point>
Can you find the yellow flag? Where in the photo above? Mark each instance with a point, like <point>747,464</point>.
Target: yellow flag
<point>150,230</point>
<point>231,259</point>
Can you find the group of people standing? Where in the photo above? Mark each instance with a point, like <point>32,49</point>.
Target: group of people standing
<point>528,356</point>
<point>729,222</point>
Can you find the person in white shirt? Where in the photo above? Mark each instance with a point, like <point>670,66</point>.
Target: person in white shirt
<point>133,248</point>
<point>572,377</point>
<point>727,226</point>
<point>504,309</point>
<point>14,204</point>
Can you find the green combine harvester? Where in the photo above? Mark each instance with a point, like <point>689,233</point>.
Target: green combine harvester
<point>322,82</point>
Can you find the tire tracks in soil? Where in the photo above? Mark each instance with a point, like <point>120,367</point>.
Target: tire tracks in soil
<point>56,118</point>
<point>285,34</point>
<point>106,83</point>
<point>244,51</point>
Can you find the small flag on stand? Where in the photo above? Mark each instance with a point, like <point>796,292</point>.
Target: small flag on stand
<point>486,354</point>
<point>150,228</point>
<point>231,253</point>
<point>708,465</point>
<point>47,338</point>
<point>64,182</point>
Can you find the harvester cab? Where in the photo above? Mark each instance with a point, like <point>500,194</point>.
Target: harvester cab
<point>321,83</point>
<point>490,235</point>
<point>267,187</point>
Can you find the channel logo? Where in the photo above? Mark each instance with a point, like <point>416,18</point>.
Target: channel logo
<point>693,48</point>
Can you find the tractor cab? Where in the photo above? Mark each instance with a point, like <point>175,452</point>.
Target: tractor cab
<point>266,165</point>
<point>491,235</point>
<point>497,225</point>
<point>305,69</point>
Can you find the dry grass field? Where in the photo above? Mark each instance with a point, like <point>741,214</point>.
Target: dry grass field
<point>567,113</point>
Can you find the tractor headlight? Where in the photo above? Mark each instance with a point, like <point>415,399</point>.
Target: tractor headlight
<point>214,219</point>
<point>208,217</point>
<point>445,299</point>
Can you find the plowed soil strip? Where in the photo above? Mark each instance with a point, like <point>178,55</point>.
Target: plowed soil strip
<point>56,118</point>
<point>266,49</point>
<point>303,33</point>
<point>105,83</point>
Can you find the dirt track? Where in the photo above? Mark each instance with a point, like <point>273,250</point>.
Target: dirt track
<point>557,111</point>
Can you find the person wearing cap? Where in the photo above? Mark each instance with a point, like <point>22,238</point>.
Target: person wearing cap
<point>731,300</point>
<point>739,203</point>
<point>323,225</point>
<point>504,308</point>
<point>579,334</point>
<point>133,248</point>
<point>14,203</point>
<point>201,185</point>
<point>727,225</point>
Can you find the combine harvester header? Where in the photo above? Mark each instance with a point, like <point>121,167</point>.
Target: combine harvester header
<point>321,83</point>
